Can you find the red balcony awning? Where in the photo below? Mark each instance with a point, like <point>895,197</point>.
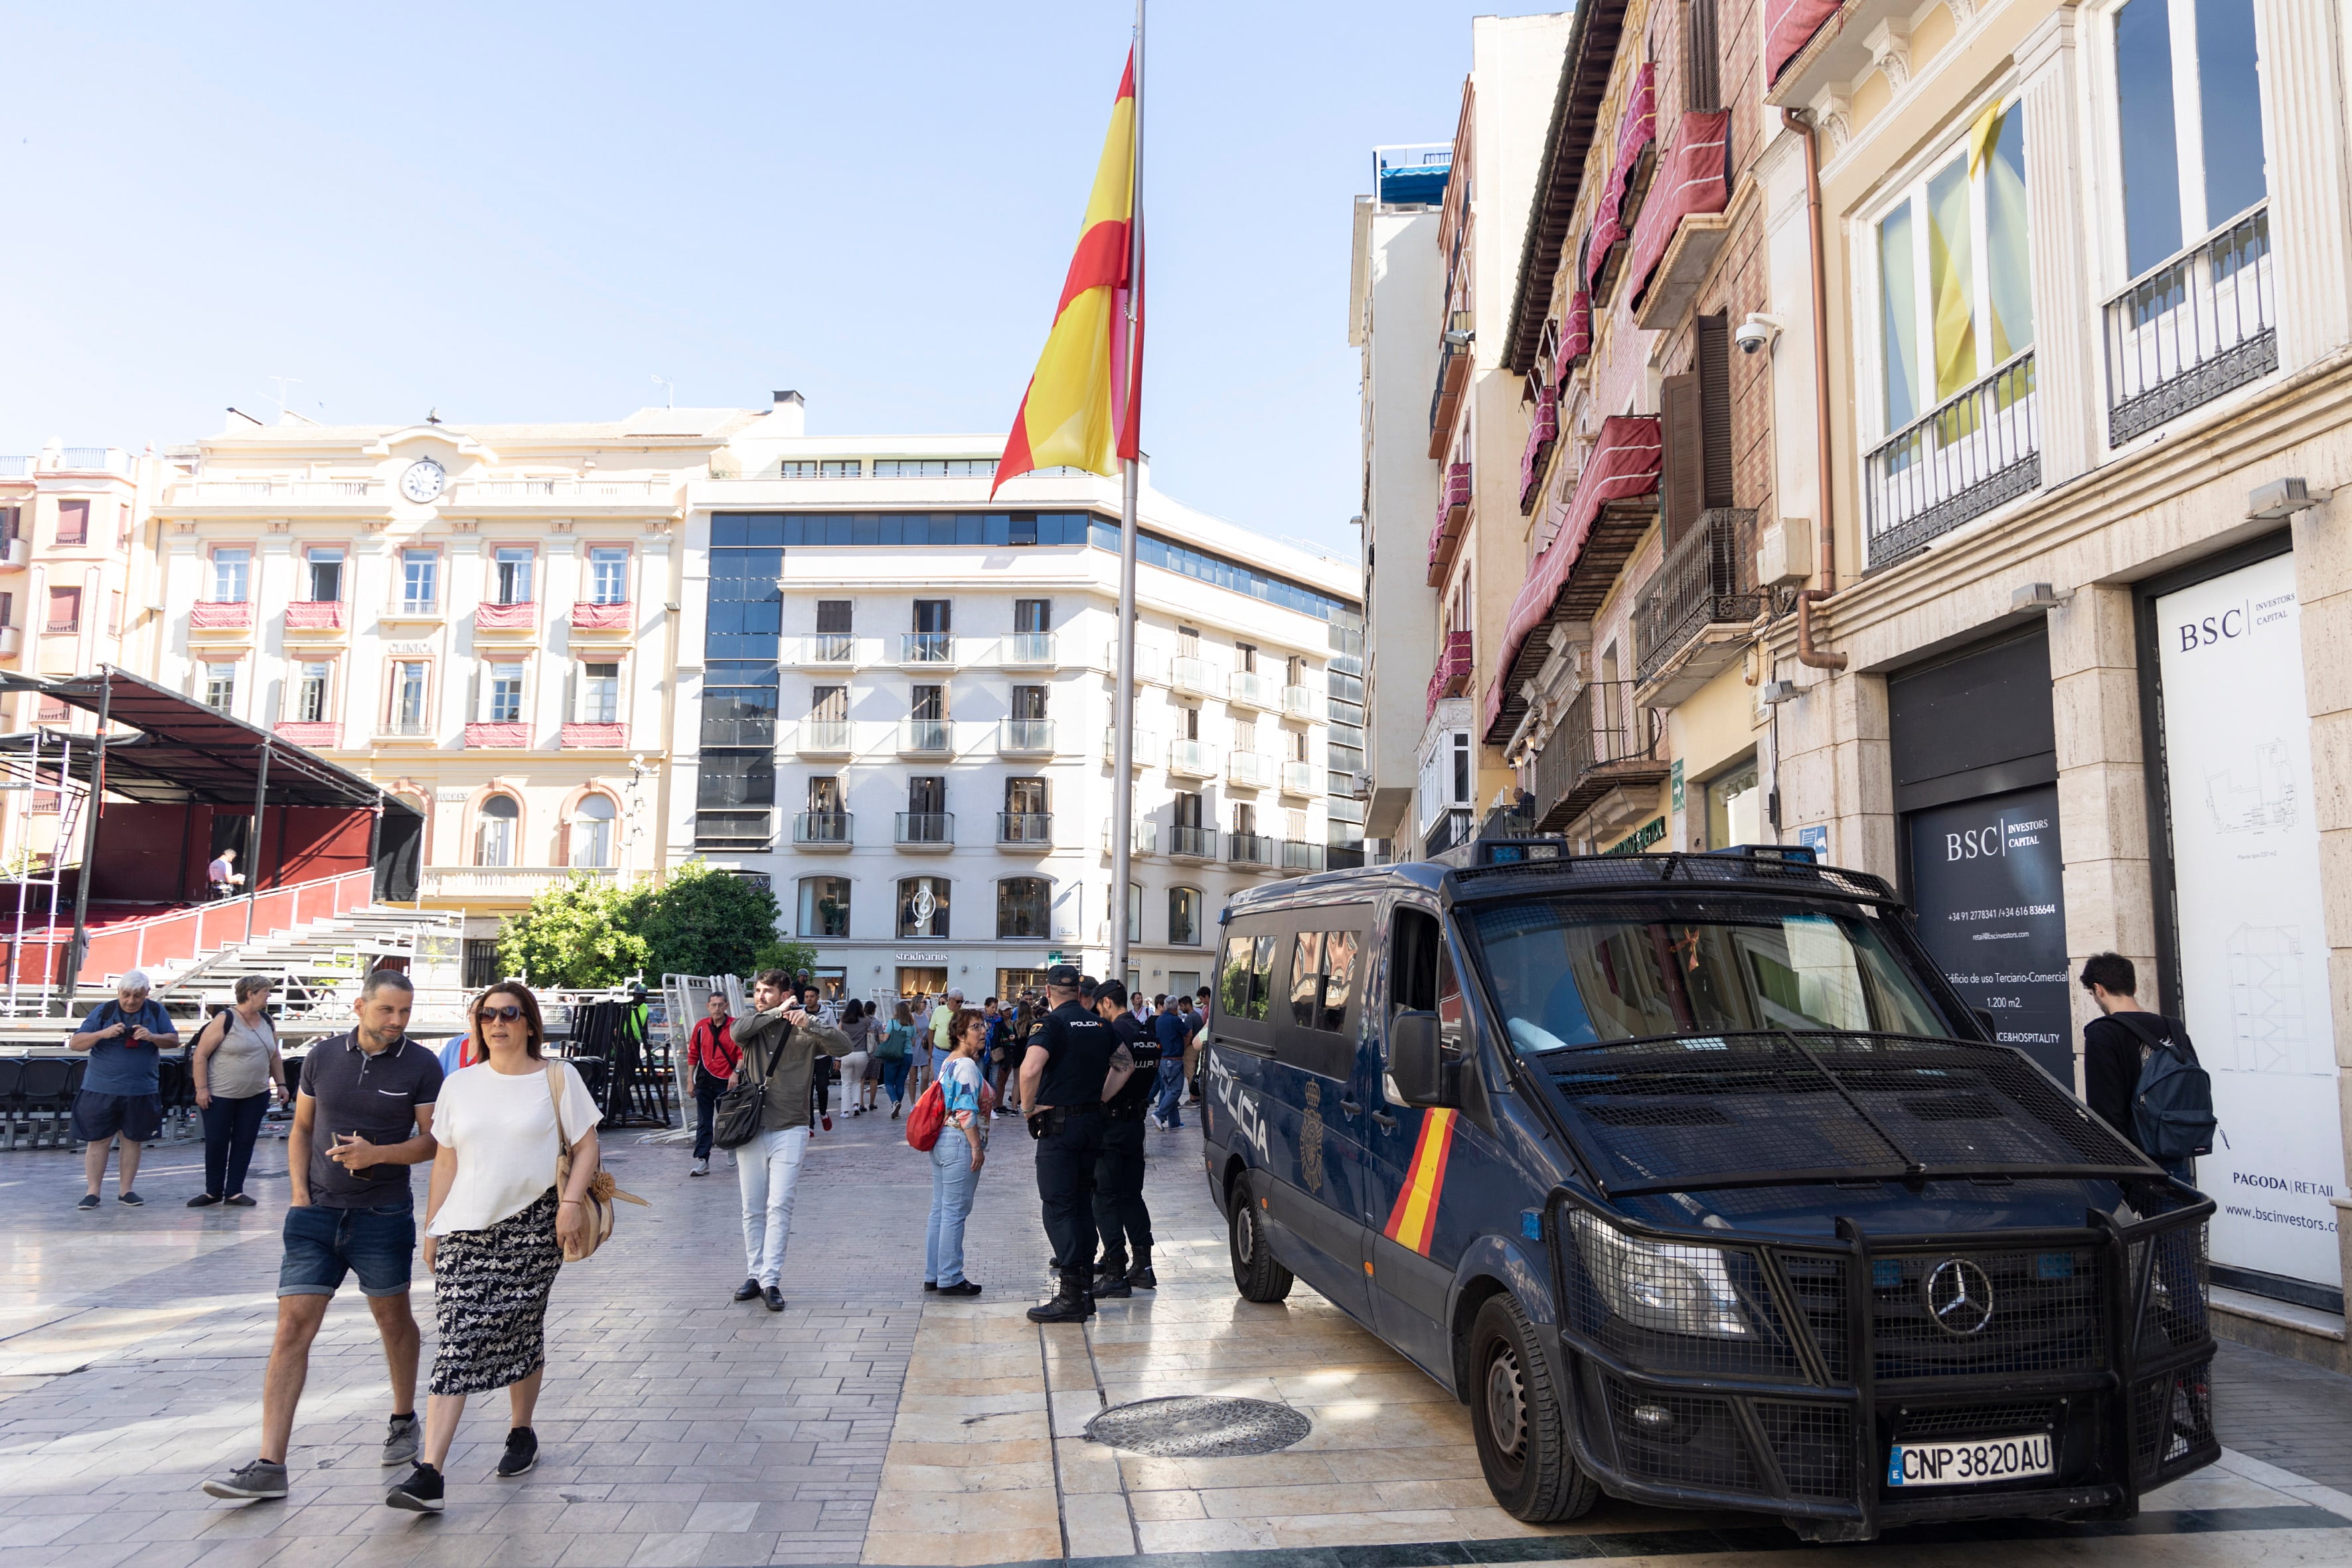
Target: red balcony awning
<point>1635,132</point>
<point>1690,179</point>
<point>506,617</point>
<point>1788,26</point>
<point>599,618</point>
<point>573,737</point>
<point>1542,431</point>
<point>498,734</point>
<point>315,615</point>
<point>1623,465</point>
<point>220,615</point>
<point>1575,335</point>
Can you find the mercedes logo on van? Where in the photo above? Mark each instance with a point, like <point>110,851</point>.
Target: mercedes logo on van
<point>1959,1297</point>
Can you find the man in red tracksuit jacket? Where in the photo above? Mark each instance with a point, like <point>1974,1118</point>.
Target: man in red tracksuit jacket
<point>710,1051</point>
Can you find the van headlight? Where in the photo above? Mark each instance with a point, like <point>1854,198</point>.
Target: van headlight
<point>1660,1284</point>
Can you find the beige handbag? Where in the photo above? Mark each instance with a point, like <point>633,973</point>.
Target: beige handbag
<point>601,1188</point>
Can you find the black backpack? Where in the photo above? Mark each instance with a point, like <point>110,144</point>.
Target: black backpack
<point>2172,1104</point>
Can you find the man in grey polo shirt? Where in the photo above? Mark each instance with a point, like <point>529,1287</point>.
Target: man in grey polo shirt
<point>364,1116</point>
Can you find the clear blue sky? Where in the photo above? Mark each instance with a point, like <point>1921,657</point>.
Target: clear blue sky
<point>512,212</point>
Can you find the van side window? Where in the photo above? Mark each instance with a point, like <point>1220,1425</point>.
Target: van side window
<point>1262,962</point>
<point>1234,978</point>
<point>1412,963</point>
<point>1307,979</point>
<point>1449,1001</point>
<point>1338,978</point>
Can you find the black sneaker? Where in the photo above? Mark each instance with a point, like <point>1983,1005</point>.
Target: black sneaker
<point>203,1200</point>
<point>961,1288</point>
<point>420,1493</point>
<point>238,1201</point>
<point>89,1202</point>
<point>259,1480</point>
<point>930,1284</point>
<point>131,1200</point>
<point>521,1455</point>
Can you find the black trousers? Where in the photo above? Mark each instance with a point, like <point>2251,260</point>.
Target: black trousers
<point>230,1127</point>
<point>1121,1217</point>
<point>707,1091</point>
<point>1065,1185</point>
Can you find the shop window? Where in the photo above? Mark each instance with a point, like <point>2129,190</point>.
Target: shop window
<point>1023,908</point>
<point>824,906</point>
<point>1184,917</point>
<point>923,907</point>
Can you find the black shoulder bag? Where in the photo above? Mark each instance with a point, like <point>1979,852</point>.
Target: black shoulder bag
<point>735,1120</point>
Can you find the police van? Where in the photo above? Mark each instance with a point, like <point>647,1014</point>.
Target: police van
<point>1694,1179</point>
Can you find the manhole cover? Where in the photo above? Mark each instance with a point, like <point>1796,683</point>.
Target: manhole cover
<point>1194,1426</point>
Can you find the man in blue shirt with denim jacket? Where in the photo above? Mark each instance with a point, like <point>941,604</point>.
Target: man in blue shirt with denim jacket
<point>122,1092</point>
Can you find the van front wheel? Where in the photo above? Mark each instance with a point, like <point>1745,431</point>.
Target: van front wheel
<point>1521,1421</point>
<point>1257,1275</point>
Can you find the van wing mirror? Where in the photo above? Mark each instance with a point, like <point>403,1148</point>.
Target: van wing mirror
<point>1418,1062</point>
<point>1986,1022</point>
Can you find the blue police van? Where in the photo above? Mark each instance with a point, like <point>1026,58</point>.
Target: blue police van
<point>1694,1179</point>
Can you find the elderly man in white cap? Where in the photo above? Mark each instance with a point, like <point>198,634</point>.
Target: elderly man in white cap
<point>121,1094</point>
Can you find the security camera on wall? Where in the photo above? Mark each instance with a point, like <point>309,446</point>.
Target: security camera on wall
<point>1757,332</point>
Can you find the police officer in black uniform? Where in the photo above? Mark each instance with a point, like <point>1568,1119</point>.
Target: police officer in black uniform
<point>1067,1073</point>
<point>1121,1217</point>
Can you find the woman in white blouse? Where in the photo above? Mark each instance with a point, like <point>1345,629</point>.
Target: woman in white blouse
<point>496,1229</point>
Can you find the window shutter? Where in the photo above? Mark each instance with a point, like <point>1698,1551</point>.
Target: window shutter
<point>1679,420</point>
<point>1715,409</point>
<point>1703,49</point>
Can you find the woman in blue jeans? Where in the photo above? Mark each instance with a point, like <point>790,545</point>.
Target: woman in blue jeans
<point>896,1049</point>
<point>957,1157</point>
<point>237,1070</point>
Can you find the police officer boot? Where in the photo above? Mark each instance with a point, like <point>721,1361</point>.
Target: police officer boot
<point>1110,1279</point>
<point>1071,1304</point>
<point>1140,1276</point>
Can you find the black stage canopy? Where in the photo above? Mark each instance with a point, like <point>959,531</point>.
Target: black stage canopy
<point>185,751</point>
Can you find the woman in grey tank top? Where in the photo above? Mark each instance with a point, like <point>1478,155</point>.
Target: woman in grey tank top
<point>236,1068</point>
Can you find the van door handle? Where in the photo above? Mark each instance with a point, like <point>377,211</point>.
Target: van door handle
<point>1352,1108</point>
<point>1384,1119</point>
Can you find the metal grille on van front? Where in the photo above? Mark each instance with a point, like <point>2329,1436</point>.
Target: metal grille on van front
<point>1687,1113</point>
<point>1759,868</point>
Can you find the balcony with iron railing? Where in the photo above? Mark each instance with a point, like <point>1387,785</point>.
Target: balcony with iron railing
<point>826,648</point>
<point>824,830</point>
<point>1024,829</point>
<point>935,651</point>
<point>1249,770</point>
<point>822,737</point>
<point>1696,614</point>
<point>925,738</point>
<point>1298,855</point>
<point>1606,740</point>
<point>1454,824</point>
<point>1191,759</point>
<point>734,829</point>
<point>2202,323</point>
<point>926,830</point>
<point>1190,842</point>
<point>1249,849</point>
<point>1024,737</point>
<point>1977,450</point>
<point>1251,688</point>
<point>1452,676</point>
<point>1143,840</point>
<point>1027,650</point>
<point>1453,512</point>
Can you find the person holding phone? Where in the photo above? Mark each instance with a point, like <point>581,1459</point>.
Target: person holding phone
<point>121,1094</point>
<point>362,1116</point>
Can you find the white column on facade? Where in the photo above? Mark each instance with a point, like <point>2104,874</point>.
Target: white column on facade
<point>2311,207</point>
<point>2067,370</point>
<point>684,674</point>
<point>560,559</point>
<point>271,588</point>
<point>365,691</point>
<point>184,571</point>
<point>461,593</point>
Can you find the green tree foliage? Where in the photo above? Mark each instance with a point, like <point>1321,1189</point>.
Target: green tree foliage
<point>792,957</point>
<point>581,933</point>
<point>704,920</point>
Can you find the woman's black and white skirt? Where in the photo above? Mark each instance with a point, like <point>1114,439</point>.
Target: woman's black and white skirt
<point>490,1300</point>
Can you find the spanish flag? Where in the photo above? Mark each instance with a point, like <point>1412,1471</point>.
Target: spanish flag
<point>1080,408</point>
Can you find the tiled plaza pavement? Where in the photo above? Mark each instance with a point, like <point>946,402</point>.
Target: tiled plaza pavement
<point>680,1429</point>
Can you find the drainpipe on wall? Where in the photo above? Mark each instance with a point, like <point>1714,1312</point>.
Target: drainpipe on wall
<point>1811,657</point>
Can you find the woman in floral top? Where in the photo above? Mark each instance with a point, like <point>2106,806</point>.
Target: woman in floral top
<point>957,1157</point>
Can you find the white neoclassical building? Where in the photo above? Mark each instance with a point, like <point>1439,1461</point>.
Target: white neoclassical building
<point>895,698</point>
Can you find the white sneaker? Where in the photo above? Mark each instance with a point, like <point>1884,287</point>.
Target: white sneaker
<point>702,1168</point>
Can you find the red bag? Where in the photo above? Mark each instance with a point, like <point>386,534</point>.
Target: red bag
<point>923,1122</point>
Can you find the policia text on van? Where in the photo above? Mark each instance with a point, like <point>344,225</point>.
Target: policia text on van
<point>1694,1179</point>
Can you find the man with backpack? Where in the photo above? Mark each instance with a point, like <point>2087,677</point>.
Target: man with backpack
<point>2140,1073</point>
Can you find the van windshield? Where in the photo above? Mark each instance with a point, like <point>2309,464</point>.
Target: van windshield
<point>1570,972</point>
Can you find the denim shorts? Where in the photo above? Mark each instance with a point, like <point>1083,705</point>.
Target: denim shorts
<point>322,1245</point>
<point>99,1116</point>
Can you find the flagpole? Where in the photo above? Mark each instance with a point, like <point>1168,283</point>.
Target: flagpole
<point>1122,809</point>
